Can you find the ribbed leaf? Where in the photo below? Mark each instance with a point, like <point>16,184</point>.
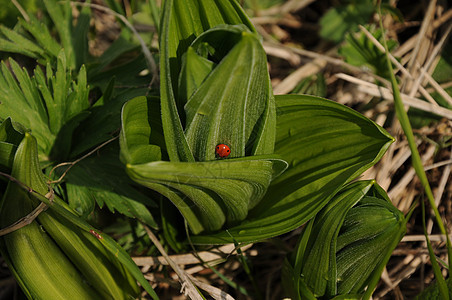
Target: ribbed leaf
<point>234,104</point>
<point>206,112</point>
<point>351,238</point>
<point>213,192</point>
<point>326,145</point>
<point>56,275</point>
<point>137,132</point>
<point>42,269</point>
<point>182,22</point>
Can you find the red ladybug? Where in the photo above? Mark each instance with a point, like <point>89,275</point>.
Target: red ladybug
<point>222,150</point>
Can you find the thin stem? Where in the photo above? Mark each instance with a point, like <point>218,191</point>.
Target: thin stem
<point>71,164</point>
<point>415,157</point>
<point>28,219</point>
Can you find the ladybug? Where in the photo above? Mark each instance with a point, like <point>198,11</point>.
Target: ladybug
<point>222,150</point>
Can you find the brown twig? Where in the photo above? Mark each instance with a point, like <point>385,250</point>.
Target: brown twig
<point>187,285</point>
<point>71,164</point>
<point>28,219</point>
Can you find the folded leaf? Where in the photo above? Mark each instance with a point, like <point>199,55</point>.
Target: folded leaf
<point>209,194</point>
<point>47,258</point>
<point>208,111</point>
<point>234,104</point>
<point>181,23</point>
<point>326,145</point>
<point>351,237</point>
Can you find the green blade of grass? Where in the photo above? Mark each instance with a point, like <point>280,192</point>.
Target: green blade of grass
<point>415,157</point>
<point>442,285</point>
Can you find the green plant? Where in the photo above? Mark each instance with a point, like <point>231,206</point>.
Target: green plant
<point>293,157</point>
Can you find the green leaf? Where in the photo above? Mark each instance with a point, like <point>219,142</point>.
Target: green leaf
<point>433,291</point>
<point>119,47</point>
<point>345,18</point>
<point>195,69</point>
<point>15,42</point>
<point>80,37</point>
<point>238,112</point>
<point>136,131</point>
<point>102,179</point>
<point>360,51</point>
<point>27,170</point>
<point>10,133</point>
<point>10,13</point>
<point>181,23</point>
<point>61,15</point>
<point>103,121</point>
<point>20,100</point>
<point>43,37</point>
<point>34,276</point>
<point>10,138</point>
<point>50,105</point>
<point>209,194</point>
<point>314,85</point>
<point>326,145</point>
<point>350,239</point>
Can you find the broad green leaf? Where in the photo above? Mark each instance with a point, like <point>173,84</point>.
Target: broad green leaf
<point>26,248</point>
<point>127,73</point>
<point>238,111</point>
<point>10,138</point>
<point>10,133</point>
<point>351,238</point>
<point>210,193</point>
<point>326,145</point>
<point>121,45</point>
<point>181,23</point>
<point>103,121</point>
<point>366,238</point>
<point>194,70</point>
<point>27,170</point>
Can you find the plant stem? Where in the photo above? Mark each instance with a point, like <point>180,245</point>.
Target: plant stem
<point>415,157</point>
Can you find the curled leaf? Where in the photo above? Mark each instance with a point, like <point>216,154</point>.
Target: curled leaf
<point>349,239</point>
<point>210,194</point>
<point>215,89</point>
